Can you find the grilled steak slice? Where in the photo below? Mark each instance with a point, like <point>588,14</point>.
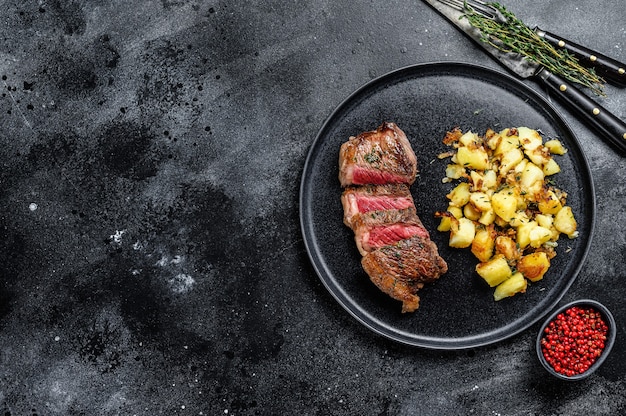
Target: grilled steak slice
<point>376,169</point>
<point>401,269</point>
<point>380,156</point>
<point>361,199</point>
<point>380,228</point>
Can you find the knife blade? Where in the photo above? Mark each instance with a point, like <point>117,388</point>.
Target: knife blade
<point>611,128</point>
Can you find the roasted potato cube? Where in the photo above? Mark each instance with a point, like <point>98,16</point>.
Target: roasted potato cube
<point>548,203</point>
<point>544,220</point>
<point>460,195</point>
<point>514,284</point>
<point>488,217</point>
<point>476,158</point>
<point>471,212</point>
<point>565,222</point>
<point>462,232</point>
<point>494,141</point>
<point>523,233</point>
<point>539,235</point>
<point>550,167</point>
<point>531,181</point>
<point>519,218</point>
<point>500,222</point>
<point>507,247</point>
<point>490,179</point>
<point>510,159</point>
<point>469,139</point>
<point>504,203</point>
<point>494,271</point>
<point>519,168</point>
<point>534,265</point>
<point>454,171</point>
<point>444,224</point>
<point>540,156</point>
<point>506,142</point>
<point>555,233</point>
<point>529,139</point>
<point>477,180</point>
<point>555,147</point>
<point>484,243</point>
<point>481,201</point>
<point>457,212</point>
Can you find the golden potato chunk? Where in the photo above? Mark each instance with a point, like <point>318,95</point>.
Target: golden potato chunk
<point>555,147</point>
<point>462,233</point>
<point>455,171</point>
<point>484,243</point>
<point>507,247</point>
<point>523,233</point>
<point>534,265</point>
<point>444,224</point>
<point>510,159</point>
<point>539,235</point>
<point>506,141</point>
<point>531,181</point>
<point>494,271</point>
<point>549,203</point>
<point>550,167</point>
<point>473,158</point>
<point>514,284</point>
<point>488,217</point>
<point>481,201</point>
<point>460,195</point>
<point>565,222</point>
<point>504,204</point>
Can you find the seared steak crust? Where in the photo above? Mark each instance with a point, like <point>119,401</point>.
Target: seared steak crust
<point>415,258</point>
<point>380,156</point>
<point>402,268</point>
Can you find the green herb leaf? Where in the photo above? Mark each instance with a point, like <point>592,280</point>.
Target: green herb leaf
<point>513,36</point>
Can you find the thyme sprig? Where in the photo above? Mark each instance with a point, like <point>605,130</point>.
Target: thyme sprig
<point>515,37</point>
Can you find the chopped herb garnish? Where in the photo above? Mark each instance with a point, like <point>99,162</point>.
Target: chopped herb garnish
<point>372,157</point>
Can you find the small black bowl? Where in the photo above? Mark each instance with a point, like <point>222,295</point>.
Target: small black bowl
<point>608,343</point>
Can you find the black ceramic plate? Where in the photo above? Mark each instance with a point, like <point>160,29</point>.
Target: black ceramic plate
<point>457,311</point>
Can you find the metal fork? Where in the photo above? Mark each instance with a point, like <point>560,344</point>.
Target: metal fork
<point>478,6</point>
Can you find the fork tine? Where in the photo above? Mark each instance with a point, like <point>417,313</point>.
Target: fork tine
<point>455,4</point>
<point>478,6</point>
<point>483,8</point>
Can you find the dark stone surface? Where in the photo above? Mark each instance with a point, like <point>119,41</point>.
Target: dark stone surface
<point>151,256</point>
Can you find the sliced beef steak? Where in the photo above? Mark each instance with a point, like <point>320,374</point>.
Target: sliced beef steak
<point>367,198</point>
<point>376,229</point>
<point>376,169</point>
<point>380,156</point>
<point>401,269</point>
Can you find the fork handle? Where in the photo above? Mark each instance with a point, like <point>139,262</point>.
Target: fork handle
<point>612,129</point>
<point>608,68</point>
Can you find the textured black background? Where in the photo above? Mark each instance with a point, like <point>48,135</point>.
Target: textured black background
<point>151,260</point>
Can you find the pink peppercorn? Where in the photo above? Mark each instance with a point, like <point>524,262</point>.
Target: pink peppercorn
<point>574,340</point>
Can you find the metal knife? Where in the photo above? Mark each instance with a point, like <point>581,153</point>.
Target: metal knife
<point>611,128</point>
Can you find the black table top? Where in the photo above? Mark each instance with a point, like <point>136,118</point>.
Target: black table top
<point>152,258</point>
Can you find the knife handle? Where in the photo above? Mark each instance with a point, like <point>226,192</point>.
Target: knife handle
<point>608,68</point>
<point>612,128</point>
